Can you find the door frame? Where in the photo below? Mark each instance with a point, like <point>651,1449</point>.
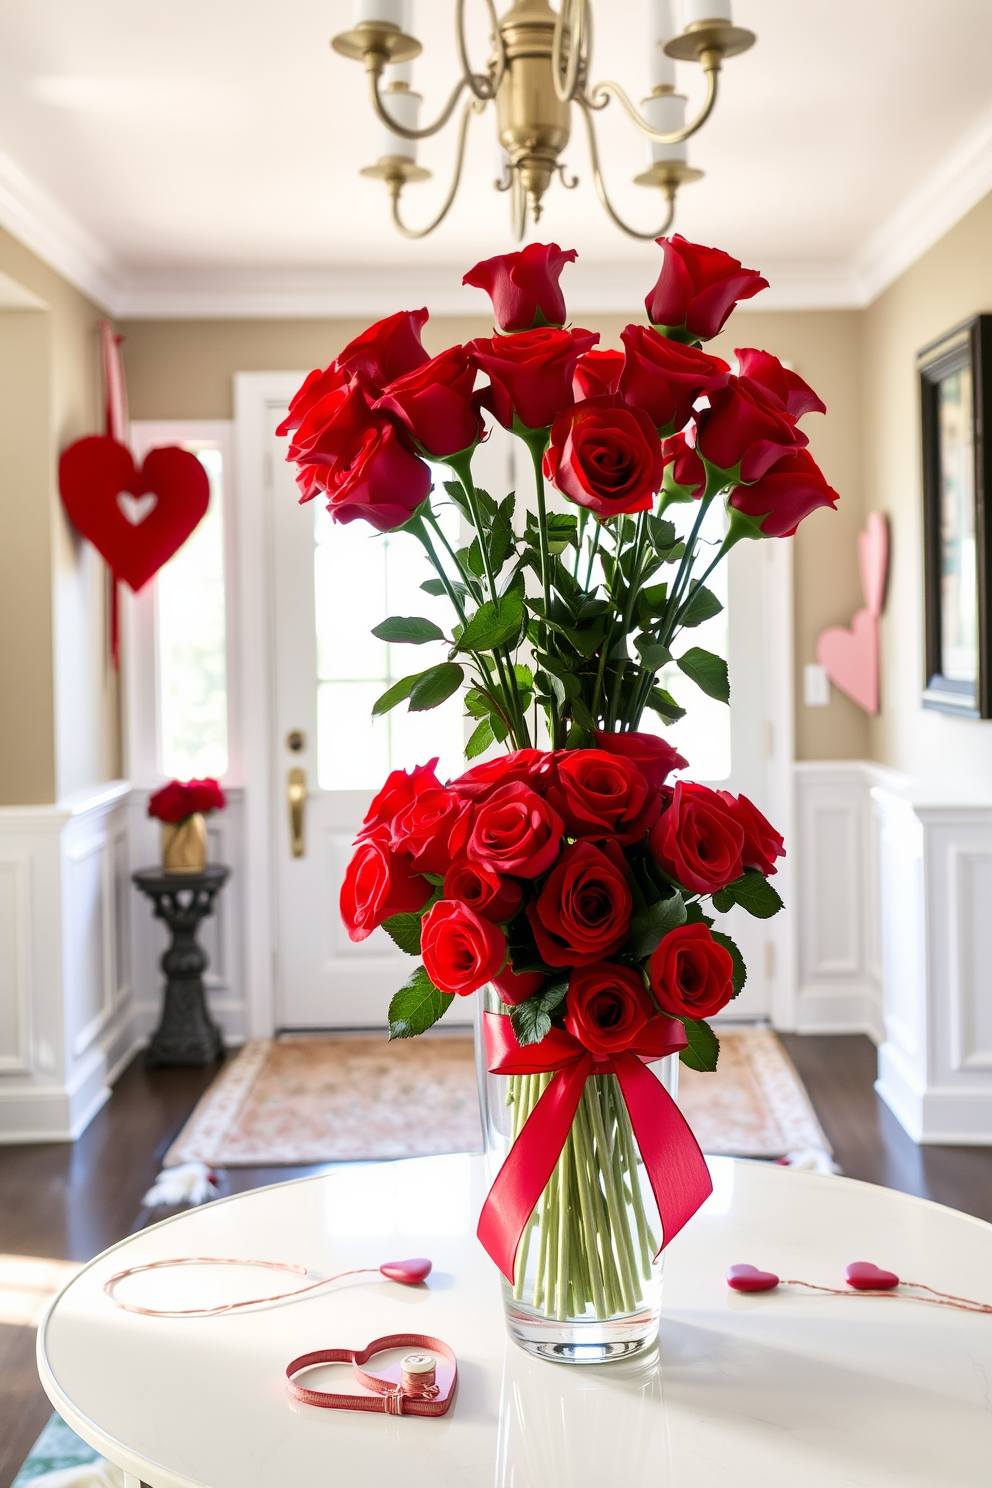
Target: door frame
<point>255,393</point>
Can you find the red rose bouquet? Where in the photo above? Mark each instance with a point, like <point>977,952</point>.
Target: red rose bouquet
<point>567,876</point>
<point>184,798</point>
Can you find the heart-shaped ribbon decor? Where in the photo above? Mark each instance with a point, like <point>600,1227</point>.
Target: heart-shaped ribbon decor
<point>749,1279</point>
<point>410,1272</point>
<point>413,1386</point>
<point>137,519</point>
<point>868,1278</point>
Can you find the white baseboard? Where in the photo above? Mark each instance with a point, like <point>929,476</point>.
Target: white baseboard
<point>934,1116</point>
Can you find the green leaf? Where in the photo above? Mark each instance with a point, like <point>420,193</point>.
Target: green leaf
<point>723,900</point>
<point>653,655</point>
<point>454,490</point>
<point>493,624</point>
<point>662,703</point>
<point>651,602</point>
<point>709,672</point>
<point>411,629</point>
<point>434,686</point>
<point>661,532</point>
<point>532,1019</point>
<point>649,927</point>
<point>740,970</point>
<point>395,694</point>
<point>582,715</point>
<point>438,589</point>
<point>481,738</point>
<point>754,893</point>
<point>404,929</point>
<point>475,560</point>
<point>417,1006</point>
<point>704,1047</point>
<point>701,605</point>
<point>500,539</point>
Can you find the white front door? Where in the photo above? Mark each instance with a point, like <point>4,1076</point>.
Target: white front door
<point>329,585</point>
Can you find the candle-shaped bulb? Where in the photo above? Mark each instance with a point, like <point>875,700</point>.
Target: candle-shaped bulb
<point>404,106</point>
<point>705,10</point>
<point>385,12</point>
<point>666,113</point>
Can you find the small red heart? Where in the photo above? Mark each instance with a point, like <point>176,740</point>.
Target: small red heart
<point>409,1272</point>
<point>750,1279</point>
<point>868,1278</point>
<point>94,473</point>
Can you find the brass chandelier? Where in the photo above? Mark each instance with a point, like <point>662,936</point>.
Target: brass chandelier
<point>539,66</point>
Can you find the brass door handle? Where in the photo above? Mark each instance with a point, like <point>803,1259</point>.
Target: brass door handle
<point>296,791</point>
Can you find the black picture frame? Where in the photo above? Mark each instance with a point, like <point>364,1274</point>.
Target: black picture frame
<point>956,373</point>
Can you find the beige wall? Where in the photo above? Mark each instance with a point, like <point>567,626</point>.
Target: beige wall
<point>183,369</point>
<point>58,732</point>
<point>950,283</point>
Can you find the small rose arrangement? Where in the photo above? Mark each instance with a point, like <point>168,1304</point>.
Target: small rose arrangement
<point>569,875</point>
<point>181,799</point>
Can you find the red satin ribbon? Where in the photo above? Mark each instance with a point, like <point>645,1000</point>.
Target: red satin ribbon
<point>674,1164</point>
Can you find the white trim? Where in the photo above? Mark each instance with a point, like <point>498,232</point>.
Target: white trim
<point>956,185</point>
<point>253,393</point>
<point>41,224</point>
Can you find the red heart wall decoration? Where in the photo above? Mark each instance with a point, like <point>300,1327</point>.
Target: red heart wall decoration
<point>135,537</point>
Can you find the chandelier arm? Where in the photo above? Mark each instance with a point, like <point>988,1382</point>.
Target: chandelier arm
<point>602,92</point>
<point>384,117</point>
<point>566,81</point>
<point>597,175</point>
<point>484,88</point>
<point>396,184</point>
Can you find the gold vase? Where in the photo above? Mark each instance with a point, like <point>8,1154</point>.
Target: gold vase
<point>184,845</point>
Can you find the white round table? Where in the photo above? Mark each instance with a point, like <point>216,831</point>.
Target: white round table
<point>781,1389</point>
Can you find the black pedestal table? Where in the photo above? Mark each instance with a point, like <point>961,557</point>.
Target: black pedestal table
<point>186,1035</point>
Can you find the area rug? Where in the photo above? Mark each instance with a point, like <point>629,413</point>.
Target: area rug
<point>296,1100</point>
<point>755,1105</point>
<point>61,1459</point>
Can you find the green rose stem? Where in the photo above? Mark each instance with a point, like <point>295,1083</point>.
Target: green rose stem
<point>628,614</point>
<point>536,441</point>
<point>461,464</point>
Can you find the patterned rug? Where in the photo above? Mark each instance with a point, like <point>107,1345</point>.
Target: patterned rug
<point>61,1459</point>
<point>339,1098</point>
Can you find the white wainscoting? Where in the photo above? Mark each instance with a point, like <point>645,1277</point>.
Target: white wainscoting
<point>222,936</point>
<point>935,1066</point>
<point>837,882</point>
<point>65,963</point>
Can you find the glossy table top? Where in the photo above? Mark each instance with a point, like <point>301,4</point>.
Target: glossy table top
<point>785,1390</point>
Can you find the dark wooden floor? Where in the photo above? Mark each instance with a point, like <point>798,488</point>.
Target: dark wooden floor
<point>69,1201</point>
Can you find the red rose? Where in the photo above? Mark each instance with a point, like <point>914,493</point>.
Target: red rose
<point>524,286</point>
<point>697,841</point>
<point>653,756</point>
<point>762,844</point>
<point>206,795</point>
<point>744,426</point>
<point>515,832</point>
<point>171,803</point>
<point>664,378</point>
<point>436,403</point>
<point>685,473</point>
<point>483,889</point>
<point>516,986</point>
<point>531,374</point>
<point>598,795</point>
<point>400,789</point>
<point>387,350</point>
<point>422,829</point>
<point>691,976</point>
<point>358,460</point>
<point>379,883</point>
<point>698,288</point>
<point>532,766</point>
<point>460,950</point>
<point>596,374</point>
<point>583,911</point>
<point>792,488</point>
<point>788,389</point>
<point>605,457</point>
<point>316,387</point>
<point>608,1007</point>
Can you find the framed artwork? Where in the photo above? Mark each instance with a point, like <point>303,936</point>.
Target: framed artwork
<point>956,407</point>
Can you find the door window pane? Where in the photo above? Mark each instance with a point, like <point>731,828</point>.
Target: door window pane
<point>361,577</point>
<point>192,643</point>
<point>958,578</point>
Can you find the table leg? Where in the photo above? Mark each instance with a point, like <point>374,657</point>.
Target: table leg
<point>132,1482</point>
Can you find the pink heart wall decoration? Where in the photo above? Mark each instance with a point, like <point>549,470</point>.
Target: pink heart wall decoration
<point>850,658</point>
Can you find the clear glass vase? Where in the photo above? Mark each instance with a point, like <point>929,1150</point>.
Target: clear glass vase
<point>587,1286</point>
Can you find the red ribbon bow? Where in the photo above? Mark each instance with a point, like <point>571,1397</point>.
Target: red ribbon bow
<point>675,1166</point>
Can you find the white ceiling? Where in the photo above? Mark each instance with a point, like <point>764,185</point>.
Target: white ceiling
<point>201,156</point>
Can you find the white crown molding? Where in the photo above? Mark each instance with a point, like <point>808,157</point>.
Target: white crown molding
<point>33,217</point>
<point>959,182</point>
